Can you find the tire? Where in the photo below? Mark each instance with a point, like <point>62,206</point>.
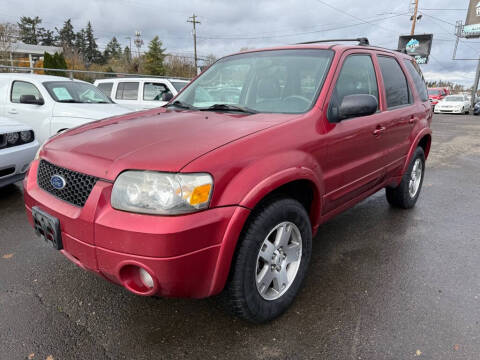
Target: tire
<point>401,196</point>
<point>245,295</point>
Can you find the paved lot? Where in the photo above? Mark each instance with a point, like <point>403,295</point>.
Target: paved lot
<point>383,284</point>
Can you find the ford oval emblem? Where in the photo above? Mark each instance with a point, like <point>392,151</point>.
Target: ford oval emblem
<point>58,182</point>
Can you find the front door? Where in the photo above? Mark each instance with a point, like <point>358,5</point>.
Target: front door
<point>355,161</point>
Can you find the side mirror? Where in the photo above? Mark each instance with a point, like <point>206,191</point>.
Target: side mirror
<point>31,99</point>
<point>167,96</point>
<point>357,105</point>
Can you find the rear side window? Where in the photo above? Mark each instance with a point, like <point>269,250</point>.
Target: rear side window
<point>106,88</point>
<point>356,77</point>
<point>396,86</point>
<point>418,80</point>
<point>127,91</point>
<point>20,88</point>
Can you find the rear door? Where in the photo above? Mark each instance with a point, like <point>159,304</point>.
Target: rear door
<point>127,93</point>
<point>400,112</point>
<point>355,161</point>
<point>153,91</point>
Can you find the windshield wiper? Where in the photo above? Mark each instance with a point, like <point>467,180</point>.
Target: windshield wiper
<point>228,107</point>
<point>70,101</point>
<point>182,105</point>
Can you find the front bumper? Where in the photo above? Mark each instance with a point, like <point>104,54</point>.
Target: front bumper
<point>447,111</point>
<point>15,162</point>
<point>187,256</point>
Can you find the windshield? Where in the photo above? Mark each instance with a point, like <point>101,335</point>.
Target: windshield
<point>454,98</point>
<point>179,85</point>
<point>277,81</point>
<point>75,92</point>
<point>433,92</point>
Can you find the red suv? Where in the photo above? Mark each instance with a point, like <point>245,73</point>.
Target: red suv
<point>436,94</point>
<point>222,190</point>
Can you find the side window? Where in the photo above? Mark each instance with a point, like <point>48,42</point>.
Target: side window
<point>396,86</point>
<point>154,91</point>
<point>20,88</point>
<point>356,77</point>
<point>418,80</point>
<point>127,91</point>
<point>106,88</point>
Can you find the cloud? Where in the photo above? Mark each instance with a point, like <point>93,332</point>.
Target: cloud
<point>228,25</point>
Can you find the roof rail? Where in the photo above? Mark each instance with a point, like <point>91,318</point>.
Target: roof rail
<point>363,41</point>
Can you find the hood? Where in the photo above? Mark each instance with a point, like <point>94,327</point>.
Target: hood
<point>89,111</point>
<point>8,125</point>
<point>158,139</point>
<point>451,103</point>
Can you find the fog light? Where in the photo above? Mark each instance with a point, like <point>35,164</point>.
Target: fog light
<point>146,278</point>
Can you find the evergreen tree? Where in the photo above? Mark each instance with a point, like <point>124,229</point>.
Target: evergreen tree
<point>113,50</point>
<point>55,61</point>
<point>92,55</point>
<point>81,43</point>
<point>29,29</point>
<point>154,58</point>
<point>47,37</point>
<point>66,35</point>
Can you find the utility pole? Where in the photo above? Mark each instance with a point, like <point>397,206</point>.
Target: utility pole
<point>475,85</point>
<point>414,18</point>
<point>193,19</point>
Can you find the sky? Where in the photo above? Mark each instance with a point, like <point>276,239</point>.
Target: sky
<point>230,25</point>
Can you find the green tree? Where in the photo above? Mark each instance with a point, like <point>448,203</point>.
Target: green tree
<point>92,55</point>
<point>29,30</point>
<point>47,37</point>
<point>66,35</point>
<point>154,58</point>
<point>113,50</point>
<point>81,43</point>
<point>127,54</point>
<point>55,61</point>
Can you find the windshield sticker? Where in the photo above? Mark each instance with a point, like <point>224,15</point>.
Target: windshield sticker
<point>62,94</point>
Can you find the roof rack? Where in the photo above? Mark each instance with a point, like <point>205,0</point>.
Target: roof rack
<point>363,41</point>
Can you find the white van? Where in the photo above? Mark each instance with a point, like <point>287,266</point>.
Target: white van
<point>141,93</point>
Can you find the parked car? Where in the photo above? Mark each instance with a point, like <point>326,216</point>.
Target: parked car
<point>435,95</point>
<point>141,93</point>
<point>458,104</point>
<point>476,109</point>
<point>49,104</point>
<point>17,149</point>
<point>203,197</point>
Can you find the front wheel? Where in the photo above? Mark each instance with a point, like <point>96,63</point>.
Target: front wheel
<point>271,261</point>
<point>406,194</point>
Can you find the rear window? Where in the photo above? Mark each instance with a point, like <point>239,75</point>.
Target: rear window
<point>418,81</point>
<point>179,85</point>
<point>127,91</point>
<point>396,86</point>
<point>106,88</point>
<point>434,92</point>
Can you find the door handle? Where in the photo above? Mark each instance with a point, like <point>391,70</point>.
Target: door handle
<point>412,120</point>
<point>379,130</point>
<point>12,111</point>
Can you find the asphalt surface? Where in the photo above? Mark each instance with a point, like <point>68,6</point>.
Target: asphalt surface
<point>383,284</point>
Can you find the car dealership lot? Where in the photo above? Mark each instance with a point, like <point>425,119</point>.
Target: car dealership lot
<point>383,283</point>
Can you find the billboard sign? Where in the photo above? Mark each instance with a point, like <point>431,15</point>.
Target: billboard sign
<point>418,46</point>
<point>472,24</point>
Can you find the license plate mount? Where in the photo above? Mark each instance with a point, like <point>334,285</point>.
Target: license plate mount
<point>47,227</point>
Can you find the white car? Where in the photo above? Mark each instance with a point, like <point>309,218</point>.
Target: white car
<point>141,93</point>
<point>49,104</point>
<point>17,150</point>
<point>457,104</point>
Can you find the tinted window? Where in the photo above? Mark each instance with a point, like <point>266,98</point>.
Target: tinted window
<point>106,88</point>
<point>20,88</point>
<point>154,91</point>
<point>396,86</point>
<point>356,77</point>
<point>127,91</point>
<point>418,80</point>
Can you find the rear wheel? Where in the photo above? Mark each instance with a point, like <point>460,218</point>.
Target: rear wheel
<point>271,261</point>
<point>406,194</point>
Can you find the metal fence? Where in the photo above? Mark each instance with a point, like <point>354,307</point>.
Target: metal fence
<point>80,74</point>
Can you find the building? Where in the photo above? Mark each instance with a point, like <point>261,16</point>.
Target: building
<point>27,55</point>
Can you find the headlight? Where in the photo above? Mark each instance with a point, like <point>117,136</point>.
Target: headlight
<point>12,138</point>
<point>26,136</point>
<point>152,192</point>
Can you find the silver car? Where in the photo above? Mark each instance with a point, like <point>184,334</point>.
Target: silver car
<point>17,149</point>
